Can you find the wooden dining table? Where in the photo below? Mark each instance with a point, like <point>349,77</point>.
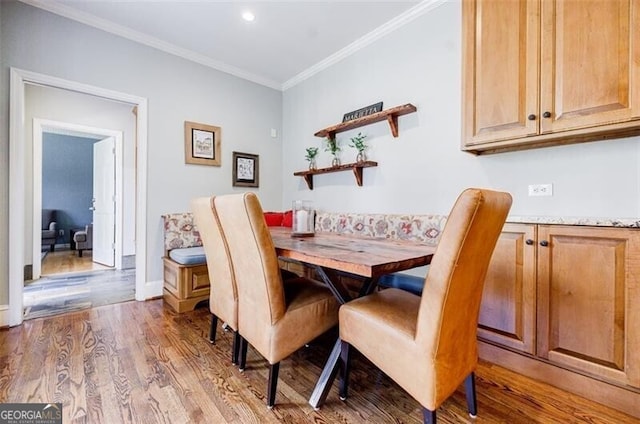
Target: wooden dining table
<point>363,259</point>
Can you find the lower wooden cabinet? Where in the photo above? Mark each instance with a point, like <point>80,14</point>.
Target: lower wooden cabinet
<point>508,309</point>
<point>562,301</point>
<point>589,300</point>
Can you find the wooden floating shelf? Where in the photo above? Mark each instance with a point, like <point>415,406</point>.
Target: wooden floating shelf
<point>356,167</point>
<point>390,115</point>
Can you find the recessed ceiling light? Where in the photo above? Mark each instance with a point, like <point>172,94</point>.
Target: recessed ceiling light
<point>248,16</point>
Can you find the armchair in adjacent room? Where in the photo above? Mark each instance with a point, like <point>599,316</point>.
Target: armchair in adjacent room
<point>84,239</point>
<point>49,228</point>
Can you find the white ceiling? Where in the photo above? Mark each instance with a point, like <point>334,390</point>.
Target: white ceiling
<point>287,42</point>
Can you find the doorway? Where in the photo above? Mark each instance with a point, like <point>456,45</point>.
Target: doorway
<point>78,173</point>
<point>21,159</point>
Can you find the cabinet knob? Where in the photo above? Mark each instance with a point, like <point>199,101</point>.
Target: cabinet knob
<point>529,242</point>
<point>547,114</point>
<point>531,117</point>
<point>544,243</point>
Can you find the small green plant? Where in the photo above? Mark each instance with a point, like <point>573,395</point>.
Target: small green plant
<point>312,152</point>
<point>332,146</point>
<point>358,142</point>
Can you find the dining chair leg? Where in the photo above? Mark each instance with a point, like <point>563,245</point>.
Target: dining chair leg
<point>470,391</point>
<point>345,356</point>
<point>212,329</point>
<point>242,361</point>
<point>428,416</point>
<point>236,348</point>
<point>273,383</point>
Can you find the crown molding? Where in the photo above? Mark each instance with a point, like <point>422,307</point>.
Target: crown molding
<point>147,40</point>
<point>395,23</point>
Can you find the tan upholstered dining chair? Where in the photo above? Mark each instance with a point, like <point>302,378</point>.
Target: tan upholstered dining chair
<point>275,317</point>
<point>223,295</point>
<point>428,344</point>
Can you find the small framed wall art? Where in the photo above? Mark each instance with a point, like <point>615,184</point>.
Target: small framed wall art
<point>246,170</point>
<point>202,144</point>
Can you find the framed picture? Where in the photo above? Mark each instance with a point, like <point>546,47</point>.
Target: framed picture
<point>245,170</point>
<point>202,144</point>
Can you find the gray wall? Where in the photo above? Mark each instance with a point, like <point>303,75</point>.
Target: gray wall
<point>67,180</point>
<point>177,90</point>
<point>423,170</point>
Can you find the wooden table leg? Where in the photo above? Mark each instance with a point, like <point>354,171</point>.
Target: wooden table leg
<point>327,376</point>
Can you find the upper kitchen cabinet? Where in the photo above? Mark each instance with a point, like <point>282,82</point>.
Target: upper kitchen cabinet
<point>540,73</point>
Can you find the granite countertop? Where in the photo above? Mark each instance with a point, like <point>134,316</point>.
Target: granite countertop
<point>563,220</point>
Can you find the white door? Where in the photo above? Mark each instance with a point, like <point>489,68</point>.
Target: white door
<point>104,204</point>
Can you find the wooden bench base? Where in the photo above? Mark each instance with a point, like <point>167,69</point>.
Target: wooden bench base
<point>185,285</point>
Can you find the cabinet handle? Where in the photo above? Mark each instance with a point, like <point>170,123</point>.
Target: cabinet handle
<point>547,114</point>
<point>529,242</point>
<point>531,117</point>
<point>544,243</point>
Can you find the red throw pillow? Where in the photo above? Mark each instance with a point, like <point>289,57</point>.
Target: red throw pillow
<point>274,219</point>
<point>287,219</point>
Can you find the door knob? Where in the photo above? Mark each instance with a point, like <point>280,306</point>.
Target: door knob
<point>547,114</point>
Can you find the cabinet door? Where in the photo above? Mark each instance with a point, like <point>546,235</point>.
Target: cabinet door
<point>508,308</point>
<point>500,70</point>
<point>588,297</point>
<point>590,65</point>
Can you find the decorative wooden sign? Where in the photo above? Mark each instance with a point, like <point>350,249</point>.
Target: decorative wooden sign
<point>365,111</point>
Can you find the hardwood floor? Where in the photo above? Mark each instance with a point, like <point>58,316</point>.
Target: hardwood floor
<point>139,362</point>
<point>63,261</point>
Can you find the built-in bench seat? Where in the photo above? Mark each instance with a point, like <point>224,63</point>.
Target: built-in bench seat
<point>189,255</point>
<point>425,229</point>
<point>186,276</point>
<point>411,283</point>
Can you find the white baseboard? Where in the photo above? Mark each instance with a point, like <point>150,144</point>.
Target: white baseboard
<point>4,316</point>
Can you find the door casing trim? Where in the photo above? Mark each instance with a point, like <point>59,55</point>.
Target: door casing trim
<point>18,176</point>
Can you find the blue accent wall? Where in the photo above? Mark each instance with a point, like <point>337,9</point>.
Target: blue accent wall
<point>67,180</point>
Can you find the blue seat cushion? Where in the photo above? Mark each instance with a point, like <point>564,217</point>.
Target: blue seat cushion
<point>189,255</point>
<point>410,283</point>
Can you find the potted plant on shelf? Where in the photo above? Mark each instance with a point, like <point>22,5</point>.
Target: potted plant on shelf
<point>334,147</point>
<point>312,152</point>
<point>358,143</point>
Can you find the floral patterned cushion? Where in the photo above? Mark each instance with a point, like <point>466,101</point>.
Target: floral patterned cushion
<point>421,228</point>
<point>180,231</point>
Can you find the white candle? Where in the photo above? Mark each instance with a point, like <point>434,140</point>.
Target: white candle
<point>301,221</point>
